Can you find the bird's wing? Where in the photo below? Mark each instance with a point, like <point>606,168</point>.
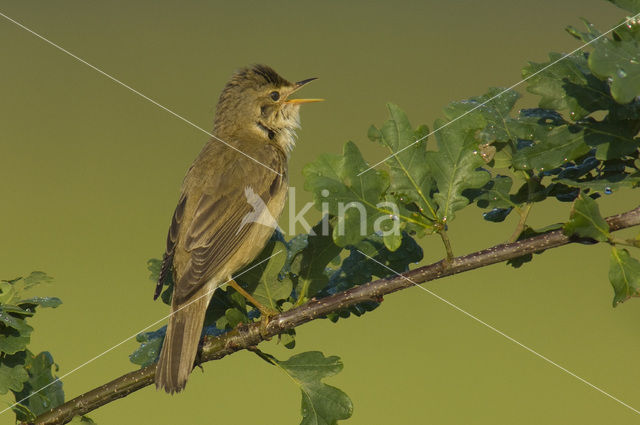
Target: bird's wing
<point>216,229</point>
<point>172,238</point>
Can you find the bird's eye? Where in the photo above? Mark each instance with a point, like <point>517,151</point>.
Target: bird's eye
<point>275,95</point>
<point>271,134</point>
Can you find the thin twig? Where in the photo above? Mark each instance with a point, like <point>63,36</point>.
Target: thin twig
<point>447,244</point>
<point>524,214</point>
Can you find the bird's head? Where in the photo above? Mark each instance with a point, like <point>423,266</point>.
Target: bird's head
<point>256,104</point>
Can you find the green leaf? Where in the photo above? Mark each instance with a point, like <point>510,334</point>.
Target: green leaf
<point>578,169</point>
<point>13,375</point>
<point>321,404</point>
<point>301,241</point>
<point>154,266</point>
<point>270,291</point>
<point>618,60</point>
<point>599,176</point>
<point>496,194</point>
<point>605,184</point>
<point>29,377</point>
<point>535,123</point>
<point>17,311</point>
<point>567,85</point>
<point>13,343</point>
<point>15,334</point>
<point>585,220</point>
<point>235,317</point>
<point>310,262</point>
<point>410,176</point>
<point>588,36</point>
<point>150,346</point>
<point>561,144</point>
<point>612,139</point>
<point>23,413</point>
<point>624,275</point>
<point>454,166</point>
<point>500,133</point>
<point>44,392</point>
<point>12,291</point>
<point>36,278</point>
<point>495,113</point>
<point>264,281</point>
<point>31,303</point>
<point>356,200</point>
<point>224,299</point>
<point>632,6</point>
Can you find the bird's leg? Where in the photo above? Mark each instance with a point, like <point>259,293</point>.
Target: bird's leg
<point>265,312</point>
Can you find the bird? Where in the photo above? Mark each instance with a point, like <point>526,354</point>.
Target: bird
<point>209,238</point>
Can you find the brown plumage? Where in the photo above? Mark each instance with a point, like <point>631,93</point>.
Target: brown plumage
<point>207,240</point>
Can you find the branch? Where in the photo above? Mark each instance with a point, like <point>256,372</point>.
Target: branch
<point>248,336</point>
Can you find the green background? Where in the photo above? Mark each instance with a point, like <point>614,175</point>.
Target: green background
<point>90,174</point>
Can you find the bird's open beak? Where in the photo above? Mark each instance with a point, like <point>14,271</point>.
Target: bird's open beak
<point>303,100</point>
<point>297,87</point>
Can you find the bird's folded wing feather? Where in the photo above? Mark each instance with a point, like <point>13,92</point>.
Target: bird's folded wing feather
<point>216,229</point>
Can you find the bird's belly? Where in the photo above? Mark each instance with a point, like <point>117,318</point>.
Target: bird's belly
<point>258,235</point>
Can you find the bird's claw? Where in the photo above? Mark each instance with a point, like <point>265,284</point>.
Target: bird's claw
<point>265,318</point>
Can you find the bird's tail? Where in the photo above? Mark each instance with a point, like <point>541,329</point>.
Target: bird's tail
<point>181,345</point>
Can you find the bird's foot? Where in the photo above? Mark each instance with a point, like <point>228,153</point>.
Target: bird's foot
<point>265,317</point>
